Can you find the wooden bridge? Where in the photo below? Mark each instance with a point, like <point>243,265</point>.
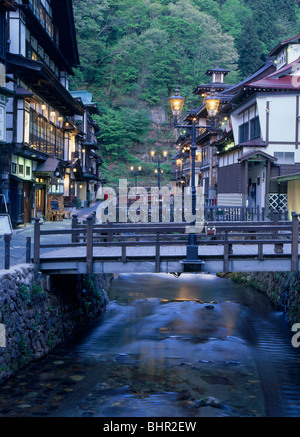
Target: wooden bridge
<point>161,247</point>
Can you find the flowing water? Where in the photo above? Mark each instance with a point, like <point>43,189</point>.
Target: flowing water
<point>193,346</point>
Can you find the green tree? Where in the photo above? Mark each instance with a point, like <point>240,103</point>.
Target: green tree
<point>234,14</point>
<point>134,52</point>
<point>249,48</point>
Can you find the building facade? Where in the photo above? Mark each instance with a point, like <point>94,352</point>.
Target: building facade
<point>255,141</point>
<point>264,142</point>
<point>43,142</point>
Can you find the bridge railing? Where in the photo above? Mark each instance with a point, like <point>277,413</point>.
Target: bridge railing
<point>168,213</point>
<point>91,235</point>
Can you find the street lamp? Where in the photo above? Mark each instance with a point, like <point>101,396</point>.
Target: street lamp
<point>135,173</point>
<point>212,104</point>
<point>158,160</point>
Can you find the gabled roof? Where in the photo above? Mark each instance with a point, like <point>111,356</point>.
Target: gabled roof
<point>261,72</point>
<point>257,153</point>
<point>294,39</point>
<point>285,69</point>
<point>48,167</point>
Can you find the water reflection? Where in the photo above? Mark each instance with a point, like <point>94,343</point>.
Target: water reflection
<point>193,346</point>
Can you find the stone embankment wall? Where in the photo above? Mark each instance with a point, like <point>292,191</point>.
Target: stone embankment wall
<point>281,288</point>
<point>39,312</point>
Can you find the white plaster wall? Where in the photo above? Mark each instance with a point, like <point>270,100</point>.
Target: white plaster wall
<point>282,112</point>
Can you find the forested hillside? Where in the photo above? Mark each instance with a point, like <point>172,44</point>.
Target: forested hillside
<point>134,52</point>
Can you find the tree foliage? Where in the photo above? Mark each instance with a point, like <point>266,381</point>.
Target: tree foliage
<point>134,52</point>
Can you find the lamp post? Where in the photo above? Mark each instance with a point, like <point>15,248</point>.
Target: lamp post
<point>212,105</point>
<point>135,173</point>
<point>158,160</point>
<point>158,172</point>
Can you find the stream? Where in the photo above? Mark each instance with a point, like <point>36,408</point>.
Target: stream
<point>192,346</point>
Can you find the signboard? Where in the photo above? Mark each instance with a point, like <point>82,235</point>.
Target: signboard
<point>5,225</point>
<point>281,58</point>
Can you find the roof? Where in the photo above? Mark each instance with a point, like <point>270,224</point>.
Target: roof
<point>282,83</point>
<point>87,100</point>
<point>85,96</point>
<point>256,142</point>
<point>49,166</point>
<point>294,39</point>
<point>9,5</point>
<point>255,154</point>
<point>217,70</point>
<point>43,82</point>
<point>285,68</point>
<point>269,64</point>
<point>288,177</point>
<point>217,86</point>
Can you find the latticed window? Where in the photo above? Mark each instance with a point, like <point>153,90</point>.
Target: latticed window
<point>45,136</point>
<point>43,11</point>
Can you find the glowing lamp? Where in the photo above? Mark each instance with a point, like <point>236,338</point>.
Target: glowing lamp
<point>212,105</point>
<point>176,103</point>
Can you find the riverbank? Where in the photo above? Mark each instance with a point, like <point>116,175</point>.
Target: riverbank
<point>39,312</point>
<point>281,288</point>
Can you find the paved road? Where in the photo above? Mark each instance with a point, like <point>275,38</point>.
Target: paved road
<point>18,241</point>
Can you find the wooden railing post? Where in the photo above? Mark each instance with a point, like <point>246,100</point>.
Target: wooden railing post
<point>28,250</point>
<point>89,245</point>
<point>37,242</point>
<point>157,254</point>
<point>295,242</point>
<point>226,253</point>
<point>74,224</point>
<point>123,253</point>
<point>278,248</point>
<point>7,238</point>
<point>257,213</point>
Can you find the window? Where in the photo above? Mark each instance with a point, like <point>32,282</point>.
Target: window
<point>14,167</point>
<point>250,126</point>
<point>27,170</point>
<point>45,136</point>
<point>285,157</point>
<point>254,128</point>
<point>244,132</point>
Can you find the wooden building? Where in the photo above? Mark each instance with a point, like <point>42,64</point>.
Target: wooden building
<point>41,133</point>
<point>87,149</point>
<point>255,140</point>
<point>264,142</point>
